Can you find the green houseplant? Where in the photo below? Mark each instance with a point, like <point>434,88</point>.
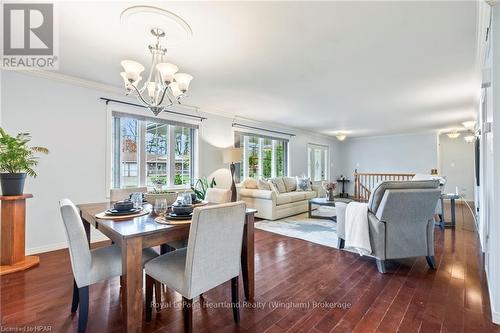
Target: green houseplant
<point>201,185</point>
<point>17,159</point>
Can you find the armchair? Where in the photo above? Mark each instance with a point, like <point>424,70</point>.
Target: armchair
<point>400,218</point>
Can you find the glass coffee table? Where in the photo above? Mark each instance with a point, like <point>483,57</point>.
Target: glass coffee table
<point>321,202</point>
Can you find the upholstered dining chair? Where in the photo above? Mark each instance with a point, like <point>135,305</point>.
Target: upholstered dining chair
<point>213,195</point>
<point>117,194</point>
<point>400,220</point>
<point>89,266</point>
<point>211,258</point>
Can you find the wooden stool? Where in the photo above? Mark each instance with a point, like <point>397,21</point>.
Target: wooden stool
<point>13,235</point>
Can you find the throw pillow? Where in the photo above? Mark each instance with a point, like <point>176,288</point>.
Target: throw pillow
<point>290,184</point>
<point>263,185</point>
<point>279,184</point>
<point>250,183</point>
<point>303,184</point>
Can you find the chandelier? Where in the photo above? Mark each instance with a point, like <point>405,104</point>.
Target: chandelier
<point>164,86</point>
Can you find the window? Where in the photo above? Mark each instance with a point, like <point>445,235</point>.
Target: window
<point>145,149</point>
<point>263,156</point>
<point>317,162</point>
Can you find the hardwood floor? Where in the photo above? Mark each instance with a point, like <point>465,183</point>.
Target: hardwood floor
<point>304,280</point>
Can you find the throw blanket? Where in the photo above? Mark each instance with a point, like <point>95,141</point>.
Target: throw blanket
<point>357,236</point>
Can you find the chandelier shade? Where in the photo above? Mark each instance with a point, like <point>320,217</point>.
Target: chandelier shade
<point>183,80</point>
<point>167,72</point>
<point>163,86</point>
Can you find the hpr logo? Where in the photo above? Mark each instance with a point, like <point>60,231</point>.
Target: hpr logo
<point>28,29</point>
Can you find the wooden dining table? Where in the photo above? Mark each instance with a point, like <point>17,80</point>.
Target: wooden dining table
<point>137,233</point>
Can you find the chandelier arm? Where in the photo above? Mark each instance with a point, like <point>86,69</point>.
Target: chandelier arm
<point>140,96</point>
<point>163,96</point>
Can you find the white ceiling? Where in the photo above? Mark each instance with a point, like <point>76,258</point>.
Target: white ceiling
<point>368,67</point>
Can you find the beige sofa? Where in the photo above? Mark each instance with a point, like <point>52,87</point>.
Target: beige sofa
<point>277,203</point>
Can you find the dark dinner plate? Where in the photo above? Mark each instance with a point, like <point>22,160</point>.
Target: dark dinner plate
<point>173,216</point>
<point>115,212</point>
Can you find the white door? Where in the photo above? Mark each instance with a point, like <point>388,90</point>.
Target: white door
<point>317,162</point>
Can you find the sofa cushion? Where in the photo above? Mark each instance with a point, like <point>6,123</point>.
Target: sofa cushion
<point>263,185</point>
<point>303,184</point>
<point>289,197</point>
<point>290,184</point>
<point>309,194</point>
<point>378,191</point>
<point>279,184</point>
<point>250,183</point>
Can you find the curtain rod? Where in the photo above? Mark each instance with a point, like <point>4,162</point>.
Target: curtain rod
<point>261,129</point>
<point>107,100</point>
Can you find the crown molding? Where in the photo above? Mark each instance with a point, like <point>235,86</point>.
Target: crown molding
<point>493,2</point>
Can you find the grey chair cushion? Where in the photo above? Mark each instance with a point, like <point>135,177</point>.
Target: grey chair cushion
<point>169,269</point>
<point>378,191</point>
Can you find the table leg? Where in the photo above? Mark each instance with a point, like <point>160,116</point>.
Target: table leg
<point>453,217</point>
<point>132,297</point>
<point>309,209</point>
<point>248,259</point>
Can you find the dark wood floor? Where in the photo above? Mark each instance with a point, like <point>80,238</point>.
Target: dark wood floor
<point>295,274</point>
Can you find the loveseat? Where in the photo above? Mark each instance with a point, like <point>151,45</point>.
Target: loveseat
<point>279,199</point>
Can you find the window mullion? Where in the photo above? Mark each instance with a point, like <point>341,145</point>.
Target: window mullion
<point>260,155</point>
<point>171,155</point>
<point>273,159</point>
<point>141,151</point>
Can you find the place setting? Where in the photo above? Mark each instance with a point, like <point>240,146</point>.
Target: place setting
<point>181,210</point>
<point>125,209</point>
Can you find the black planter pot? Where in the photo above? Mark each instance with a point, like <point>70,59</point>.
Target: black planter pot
<point>12,183</point>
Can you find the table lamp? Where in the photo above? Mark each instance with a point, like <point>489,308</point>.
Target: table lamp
<point>231,156</point>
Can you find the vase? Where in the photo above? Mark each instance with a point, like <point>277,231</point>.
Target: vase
<point>12,183</point>
<point>329,195</point>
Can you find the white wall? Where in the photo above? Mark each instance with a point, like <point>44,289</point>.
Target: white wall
<point>411,153</point>
<point>456,163</point>
<point>71,121</point>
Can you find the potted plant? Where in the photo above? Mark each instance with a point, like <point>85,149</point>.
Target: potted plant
<point>17,159</point>
<point>158,192</point>
<point>200,187</point>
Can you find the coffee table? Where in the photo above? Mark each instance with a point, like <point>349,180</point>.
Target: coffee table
<point>321,202</point>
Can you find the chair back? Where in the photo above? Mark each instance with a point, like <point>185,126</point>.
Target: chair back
<point>77,240</point>
<point>117,194</point>
<point>214,246</point>
<point>218,195</point>
<point>379,190</point>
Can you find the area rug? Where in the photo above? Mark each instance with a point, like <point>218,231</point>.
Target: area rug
<point>319,231</point>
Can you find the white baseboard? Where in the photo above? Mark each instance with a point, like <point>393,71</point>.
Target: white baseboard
<point>495,315</point>
<point>63,245</point>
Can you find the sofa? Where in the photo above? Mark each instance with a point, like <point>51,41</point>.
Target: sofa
<point>400,220</point>
<point>278,197</point>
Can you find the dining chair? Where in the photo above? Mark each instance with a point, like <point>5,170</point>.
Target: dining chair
<point>117,194</point>
<point>213,195</point>
<point>211,258</point>
<point>89,266</point>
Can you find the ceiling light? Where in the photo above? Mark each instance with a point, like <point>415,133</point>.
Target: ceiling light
<point>341,136</point>
<point>469,124</point>
<point>453,135</point>
<point>163,83</point>
<point>469,138</point>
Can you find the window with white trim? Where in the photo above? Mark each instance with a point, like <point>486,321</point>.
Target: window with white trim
<point>263,156</point>
<point>146,149</point>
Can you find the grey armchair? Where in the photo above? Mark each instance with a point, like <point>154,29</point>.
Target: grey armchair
<point>400,218</point>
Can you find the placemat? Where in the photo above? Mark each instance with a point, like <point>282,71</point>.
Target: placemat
<point>103,216</point>
<point>163,220</point>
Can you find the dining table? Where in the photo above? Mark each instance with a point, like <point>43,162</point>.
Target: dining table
<point>136,233</point>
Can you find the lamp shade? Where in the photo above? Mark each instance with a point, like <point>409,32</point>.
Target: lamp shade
<point>175,89</point>
<point>232,155</point>
<point>167,71</point>
<point>183,81</point>
<point>133,69</point>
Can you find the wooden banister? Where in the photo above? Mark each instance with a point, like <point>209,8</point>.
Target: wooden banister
<point>364,182</point>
